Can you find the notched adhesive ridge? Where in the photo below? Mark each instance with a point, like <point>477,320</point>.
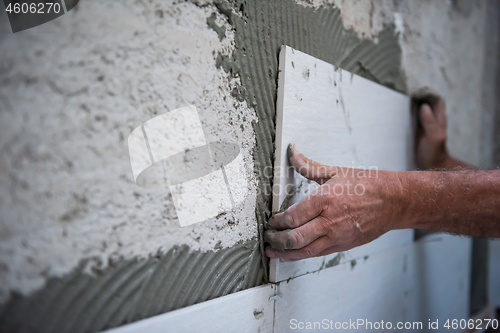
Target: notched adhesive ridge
<point>133,290</point>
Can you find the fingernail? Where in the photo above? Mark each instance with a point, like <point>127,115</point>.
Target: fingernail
<point>290,151</point>
<point>267,224</point>
<point>269,238</point>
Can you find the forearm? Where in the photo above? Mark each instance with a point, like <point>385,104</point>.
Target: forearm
<point>461,202</point>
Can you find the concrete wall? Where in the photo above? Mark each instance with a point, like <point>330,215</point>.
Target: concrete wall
<point>72,220</point>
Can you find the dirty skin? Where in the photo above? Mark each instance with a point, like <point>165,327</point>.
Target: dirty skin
<point>269,237</point>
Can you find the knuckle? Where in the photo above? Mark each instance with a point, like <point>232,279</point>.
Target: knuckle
<point>439,136</point>
<point>323,228</point>
<point>321,193</point>
<point>442,136</point>
<point>307,252</point>
<point>277,220</point>
<point>297,239</point>
<point>325,196</point>
<point>331,172</point>
<point>290,219</point>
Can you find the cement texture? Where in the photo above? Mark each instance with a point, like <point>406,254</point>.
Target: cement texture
<point>128,290</point>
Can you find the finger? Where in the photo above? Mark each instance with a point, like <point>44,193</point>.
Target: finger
<point>308,168</point>
<point>439,110</point>
<point>429,96</point>
<point>309,251</point>
<point>299,213</point>
<point>429,122</point>
<point>296,238</point>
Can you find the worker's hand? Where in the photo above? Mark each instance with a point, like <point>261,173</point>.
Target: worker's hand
<point>431,149</point>
<point>350,208</point>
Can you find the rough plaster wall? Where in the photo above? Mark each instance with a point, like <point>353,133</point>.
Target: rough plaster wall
<point>72,91</point>
<point>496,117</point>
<point>70,96</point>
<point>445,47</point>
<point>491,85</point>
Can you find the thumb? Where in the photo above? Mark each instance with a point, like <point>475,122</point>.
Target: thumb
<point>429,122</point>
<point>308,168</point>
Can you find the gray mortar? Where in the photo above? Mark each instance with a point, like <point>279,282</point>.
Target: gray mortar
<point>130,290</point>
<point>288,201</point>
<point>220,30</point>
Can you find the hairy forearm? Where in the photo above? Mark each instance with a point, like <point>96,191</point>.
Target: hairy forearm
<point>461,202</point>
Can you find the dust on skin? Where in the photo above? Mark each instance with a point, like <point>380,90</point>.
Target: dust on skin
<point>270,234</point>
<point>269,238</point>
